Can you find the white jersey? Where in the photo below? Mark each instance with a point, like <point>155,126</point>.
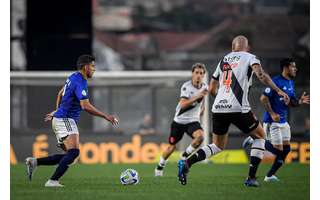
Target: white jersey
<point>192,112</point>
<point>234,74</point>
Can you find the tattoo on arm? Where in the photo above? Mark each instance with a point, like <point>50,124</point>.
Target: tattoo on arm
<point>264,77</point>
<point>266,103</point>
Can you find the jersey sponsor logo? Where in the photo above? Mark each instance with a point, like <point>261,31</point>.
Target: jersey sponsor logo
<point>222,106</point>
<point>231,59</point>
<point>223,101</point>
<point>84,93</point>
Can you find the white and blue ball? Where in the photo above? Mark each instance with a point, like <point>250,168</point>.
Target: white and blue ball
<point>129,177</point>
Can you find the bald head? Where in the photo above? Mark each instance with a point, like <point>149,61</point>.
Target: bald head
<point>240,43</point>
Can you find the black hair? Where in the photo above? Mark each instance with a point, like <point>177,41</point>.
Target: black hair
<point>285,62</point>
<point>84,60</point>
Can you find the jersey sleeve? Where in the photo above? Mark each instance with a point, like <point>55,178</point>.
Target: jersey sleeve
<point>254,60</point>
<point>81,91</point>
<point>217,72</point>
<point>268,92</point>
<point>184,92</point>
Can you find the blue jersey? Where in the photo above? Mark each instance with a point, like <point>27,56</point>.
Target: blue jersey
<point>277,103</point>
<point>75,89</point>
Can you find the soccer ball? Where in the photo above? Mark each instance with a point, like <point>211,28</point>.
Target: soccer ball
<point>129,177</point>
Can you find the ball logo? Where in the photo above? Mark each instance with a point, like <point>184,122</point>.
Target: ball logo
<point>267,90</point>
<point>84,93</point>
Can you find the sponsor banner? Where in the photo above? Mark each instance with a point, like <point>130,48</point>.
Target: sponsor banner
<point>100,149</point>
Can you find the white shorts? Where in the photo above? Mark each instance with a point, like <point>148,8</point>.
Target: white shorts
<point>63,127</point>
<point>276,133</point>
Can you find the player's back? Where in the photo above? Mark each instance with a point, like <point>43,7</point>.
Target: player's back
<point>75,89</point>
<point>234,74</point>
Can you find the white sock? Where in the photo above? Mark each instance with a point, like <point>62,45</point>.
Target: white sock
<point>257,148</point>
<point>190,149</point>
<point>211,150</point>
<point>162,161</point>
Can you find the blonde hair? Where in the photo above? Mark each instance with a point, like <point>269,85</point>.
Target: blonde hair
<point>240,43</point>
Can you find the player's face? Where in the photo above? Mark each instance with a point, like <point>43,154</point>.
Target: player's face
<point>292,70</point>
<point>197,75</point>
<point>90,69</point>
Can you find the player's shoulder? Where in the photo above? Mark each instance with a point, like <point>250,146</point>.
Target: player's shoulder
<point>186,84</point>
<point>276,78</point>
<point>205,85</point>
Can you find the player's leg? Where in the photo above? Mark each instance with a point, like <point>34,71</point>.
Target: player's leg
<point>249,124</point>
<point>280,135</point>
<point>220,128</point>
<point>176,133</point>
<point>256,155</point>
<point>218,144</point>
<point>158,171</point>
<point>196,133</point>
<point>72,146</point>
<point>60,130</point>
<point>247,142</point>
<point>67,131</point>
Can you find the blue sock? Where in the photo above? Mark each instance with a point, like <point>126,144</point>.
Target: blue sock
<point>50,160</point>
<point>286,151</point>
<point>64,163</point>
<point>278,162</point>
<point>270,147</point>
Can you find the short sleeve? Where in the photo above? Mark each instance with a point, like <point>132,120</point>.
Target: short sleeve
<point>81,91</point>
<point>254,60</point>
<point>217,72</point>
<point>184,92</point>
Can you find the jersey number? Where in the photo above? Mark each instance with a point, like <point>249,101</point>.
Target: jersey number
<point>65,86</point>
<point>227,79</point>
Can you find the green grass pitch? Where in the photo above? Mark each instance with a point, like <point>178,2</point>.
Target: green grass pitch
<point>205,181</point>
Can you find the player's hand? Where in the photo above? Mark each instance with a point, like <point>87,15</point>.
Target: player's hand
<point>275,117</point>
<point>113,120</point>
<point>285,97</point>
<point>203,93</point>
<point>304,99</point>
<point>49,116</point>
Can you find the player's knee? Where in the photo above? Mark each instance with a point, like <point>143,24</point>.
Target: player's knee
<point>72,155</point>
<point>258,133</point>
<point>199,140</point>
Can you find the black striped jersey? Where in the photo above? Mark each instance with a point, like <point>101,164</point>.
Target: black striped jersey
<point>234,74</point>
<point>192,112</point>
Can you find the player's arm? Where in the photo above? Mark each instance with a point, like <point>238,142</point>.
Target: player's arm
<point>213,87</point>
<point>265,79</point>
<point>49,116</point>
<point>202,109</point>
<point>88,107</point>
<point>266,103</point>
<point>304,99</point>
<point>186,102</point>
<point>59,97</point>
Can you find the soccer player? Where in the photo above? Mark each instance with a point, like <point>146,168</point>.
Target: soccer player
<point>231,106</point>
<point>187,116</point>
<point>71,99</point>
<point>275,124</point>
